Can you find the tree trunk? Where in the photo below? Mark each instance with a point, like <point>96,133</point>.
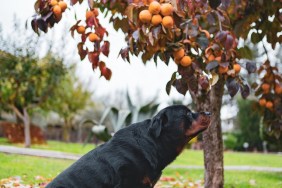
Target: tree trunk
<point>26,121</point>
<point>212,137</point>
<point>22,114</point>
<point>66,130</point>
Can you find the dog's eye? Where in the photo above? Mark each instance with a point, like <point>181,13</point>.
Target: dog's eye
<point>190,116</point>
<point>195,115</point>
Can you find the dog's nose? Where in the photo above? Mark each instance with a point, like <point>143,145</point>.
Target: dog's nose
<point>207,113</point>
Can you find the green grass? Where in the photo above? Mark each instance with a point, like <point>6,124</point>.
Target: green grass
<point>190,157</point>
<point>234,179</point>
<point>28,167</point>
<point>56,146</point>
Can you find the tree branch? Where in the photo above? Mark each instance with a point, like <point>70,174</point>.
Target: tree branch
<point>41,99</point>
<point>265,50</point>
<point>18,113</point>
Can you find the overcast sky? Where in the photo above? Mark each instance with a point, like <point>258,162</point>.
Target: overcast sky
<point>146,80</point>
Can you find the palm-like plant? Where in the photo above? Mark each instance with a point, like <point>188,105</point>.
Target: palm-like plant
<point>120,118</point>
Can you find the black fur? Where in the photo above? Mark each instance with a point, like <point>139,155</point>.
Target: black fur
<point>135,156</point>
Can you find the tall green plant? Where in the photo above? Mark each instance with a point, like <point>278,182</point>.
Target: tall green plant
<point>248,126</point>
<point>120,118</point>
<point>70,98</point>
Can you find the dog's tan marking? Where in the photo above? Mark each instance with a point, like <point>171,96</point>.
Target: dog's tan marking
<point>146,180</point>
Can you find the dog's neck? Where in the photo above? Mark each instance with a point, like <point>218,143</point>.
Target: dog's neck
<point>161,151</point>
<point>169,149</point>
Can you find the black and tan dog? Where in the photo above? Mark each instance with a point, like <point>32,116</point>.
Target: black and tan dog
<point>137,154</point>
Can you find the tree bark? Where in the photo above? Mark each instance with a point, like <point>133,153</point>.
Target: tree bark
<point>24,116</point>
<point>212,137</point>
<point>26,122</point>
<point>66,130</point>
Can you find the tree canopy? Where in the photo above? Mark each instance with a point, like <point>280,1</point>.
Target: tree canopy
<point>202,37</point>
<point>27,82</point>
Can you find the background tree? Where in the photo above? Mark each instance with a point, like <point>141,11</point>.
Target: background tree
<point>202,38</point>
<point>26,80</point>
<point>69,99</point>
<point>26,83</point>
<point>248,124</point>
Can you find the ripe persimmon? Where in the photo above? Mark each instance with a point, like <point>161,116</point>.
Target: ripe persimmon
<point>167,22</point>
<point>89,14</point>
<point>58,17</point>
<point>211,58</point>
<point>155,7</point>
<point>265,87</point>
<point>53,2</point>
<point>57,11</point>
<point>96,12</point>
<point>150,1</point>
<point>177,61</point>
<point>80,29</point>
<point>186,61</point>
<point>269,105</point>
<point>63,5</point>
<point>222,70</point>
<point>262,102</point>
<point>166,9</point>
<point>278,89</point>
<point>237,68</point>
<point>145,16</point>
<point>178,54</point>
<point>93,37</point>
<point>156,19</point>
<point>218,58</point>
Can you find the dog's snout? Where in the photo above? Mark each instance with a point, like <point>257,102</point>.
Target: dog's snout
<point>196,115</point>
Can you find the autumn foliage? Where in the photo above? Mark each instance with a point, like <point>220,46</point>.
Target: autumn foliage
<point>200,36</point>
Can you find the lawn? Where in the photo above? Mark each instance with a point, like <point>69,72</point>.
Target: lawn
<point>191,157</point>
<point>188,157</point>
<point>234,179</point>
<point>30,168</point>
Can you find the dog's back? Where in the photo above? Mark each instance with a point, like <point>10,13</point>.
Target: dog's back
<point>136,155</point>
<point>119,162</point>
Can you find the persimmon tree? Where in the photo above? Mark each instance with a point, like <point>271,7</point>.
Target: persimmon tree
<point>202,38</point>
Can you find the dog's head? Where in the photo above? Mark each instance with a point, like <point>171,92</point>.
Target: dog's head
<point>178,121</point>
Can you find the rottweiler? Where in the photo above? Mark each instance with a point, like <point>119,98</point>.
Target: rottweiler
<point>136,155</point>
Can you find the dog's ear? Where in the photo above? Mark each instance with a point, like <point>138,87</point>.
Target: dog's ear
<point>158,122</point>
